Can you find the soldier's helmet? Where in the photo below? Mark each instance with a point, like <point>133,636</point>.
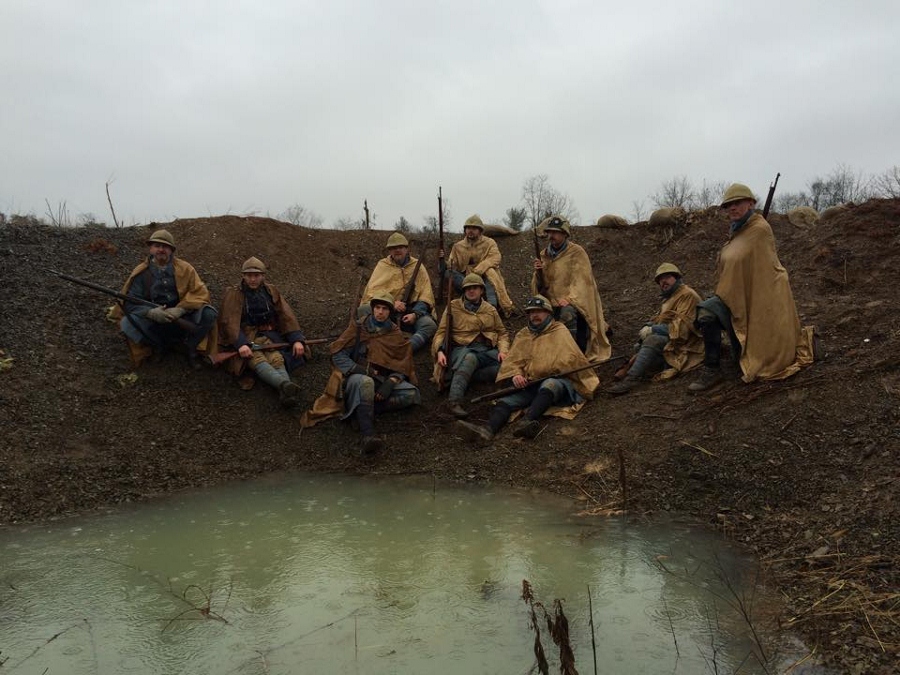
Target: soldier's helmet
<point>556,223</point>
<point>735,193</point>
<point>472,279</point>
<point>253,264</point>
<point>538,302</point>
<point>666,268</point>
<point>162,237</point>
<point>396,239</point>
<point>474,221</point>
<point>383,298</point>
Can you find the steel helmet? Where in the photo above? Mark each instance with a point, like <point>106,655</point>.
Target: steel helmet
<point>472,279</point>
<point>253,264</point>
<point>162,237</point>
<point>557,223</point>
<point>382,298</point>
<point>474,221</point>
<point>538,302</point>
<point>666,268</point>
<point>735,193</point>
<point>396,239</point>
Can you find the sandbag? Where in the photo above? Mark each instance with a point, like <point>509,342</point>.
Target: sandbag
<point>611,221</point>
<point>494,231</point>
<point>803,216</point>
<point>831,212</point>
<point>667,217</point>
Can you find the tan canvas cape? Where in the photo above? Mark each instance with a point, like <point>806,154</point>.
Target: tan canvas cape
<point>389,351</point>
<point>230,314</point>
<point>389,276</point>
<point>483,258</point>
<point>755,287</point>
<point>546,353</point>
<point>192,294</point>
<point>467,326</point>
<point>569,276</point>
<point>684,350</point>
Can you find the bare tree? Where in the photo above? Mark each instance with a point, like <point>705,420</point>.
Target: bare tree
<point>60,217</point>
<point>346,223</point>
<point>887,184</point>
<point>302,216</point>
<point>676,192</point>
<point>403,225</point>
<point>638,211</point>
<point>430,225</point>
<point>540,199</point>
<point>709,194</point>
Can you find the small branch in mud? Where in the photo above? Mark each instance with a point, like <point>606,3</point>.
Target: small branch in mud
<point>557,626</point>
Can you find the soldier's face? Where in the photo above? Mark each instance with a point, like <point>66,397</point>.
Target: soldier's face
<point>253,279</point>
<point>556,238</point>
<point>381,312</point>
<point>737,210</point>
<point>474,293</point>
<point>161,253</point>
<point>472,232</point>
<point>537,316</point>
<point>398,253</point>
<point>666,281</point>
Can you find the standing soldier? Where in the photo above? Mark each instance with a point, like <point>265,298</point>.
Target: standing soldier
<point>184,315</point>
<point>563,274</point>
<point>669,342</point>
<point>477,254</point>
<point>478,343</point>
<point>393,274</point>
<point>255,314</point>
<point>753,302</point>
<point>372,372</point>
<point>542,349</point>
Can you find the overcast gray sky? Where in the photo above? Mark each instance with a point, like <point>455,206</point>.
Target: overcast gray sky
<point>248,107</point>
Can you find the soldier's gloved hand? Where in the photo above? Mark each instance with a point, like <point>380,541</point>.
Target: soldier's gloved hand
<point>158,314</point>
<point>175,312</point>
<point>645,332</point>
<point>384,391</point>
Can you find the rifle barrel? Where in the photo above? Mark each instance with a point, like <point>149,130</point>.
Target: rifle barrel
<point>103,289</point>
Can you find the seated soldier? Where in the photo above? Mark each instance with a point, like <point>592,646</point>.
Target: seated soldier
<point>478,343</point>
<point>372,372</point>
<point>394,274</point>
<point>564,276</point>
<point>478,254</point>
<point>669,342</point>
<point>753,303</point>
<point>543,349</point>
<point>255,314</point>
<point>183,315</point>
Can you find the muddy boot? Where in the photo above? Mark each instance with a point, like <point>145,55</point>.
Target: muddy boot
<point>193,360</point>
<point>623,386</point>
<point>457,410</point>
<point>527,429</point>
<point>370,446</point>
<point>709,378</point>
<point>289,394</point>
<point>476,433</point>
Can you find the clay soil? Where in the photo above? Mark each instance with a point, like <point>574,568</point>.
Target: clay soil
<point>804,472</point>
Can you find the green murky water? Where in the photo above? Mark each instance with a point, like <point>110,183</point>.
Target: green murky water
<point>325,574</point>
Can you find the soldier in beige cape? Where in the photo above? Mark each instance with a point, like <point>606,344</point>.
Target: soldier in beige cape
<point>669,343</point>
<point>183,316</point>
<point>478,254</point>
<point>477,344</point>
<point>568,282</point>
<point>391,275</point>
<point>753,302</point>
<point>542,349</point>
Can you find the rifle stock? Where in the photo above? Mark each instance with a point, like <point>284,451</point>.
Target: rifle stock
<point>122,298</point>
<point>770,196</point>
<point>221,357</point>
<point>500,393</point>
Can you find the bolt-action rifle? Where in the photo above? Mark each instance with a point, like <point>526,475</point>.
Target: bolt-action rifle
<point>769,196</point>
<point>442,262</point>
<point>538,274</point>
<point>447,345</point>
<point>500,393</point>
<point>221,357</point>
<point>411,284</point>
<point>123,298</point>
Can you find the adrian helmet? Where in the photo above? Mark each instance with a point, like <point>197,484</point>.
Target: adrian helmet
<point>382,298</point>
<point>472,279</point>
<point>474,221</point>
<point>162,237</point>
<point>396,239</point>
<point>666,268</point>
<point>253,264</point>
<point>735,193</point>
<point>538,302</point>
<point>556,223</point>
